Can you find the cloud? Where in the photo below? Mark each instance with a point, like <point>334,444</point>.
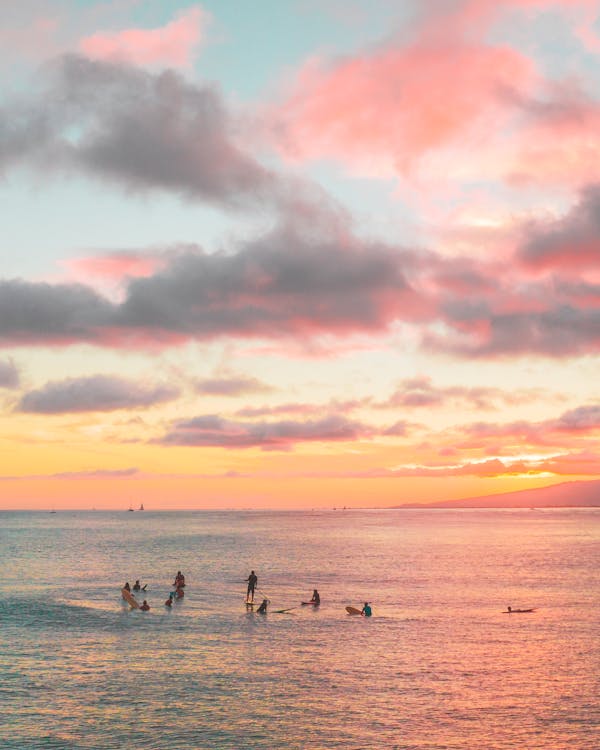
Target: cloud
<point>114,265</point>
<point>581,419</point>
<point>214,431</point>
<point>174,45</point>
<point>386,109</point>
<point>95,393</point>
<point>9,374</point>
<point>420,392</point>
<point>304,280</point>
<point>230,386</point>
<point>34,312</point>
<point>76,475</point>
<point>562,330</point>
<point>581,422</point>
<point>570,244</point>
<point>302,408</point>
<point>142,130</point>
<point>396,108</point>
<point>294,281</point>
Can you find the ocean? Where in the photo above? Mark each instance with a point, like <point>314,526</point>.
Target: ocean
<point>438,666</point>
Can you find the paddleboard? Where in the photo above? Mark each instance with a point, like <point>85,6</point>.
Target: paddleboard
<point>314,604</point>
<point>517,611</point>
<point>130,599</point>
<point>353,611</point>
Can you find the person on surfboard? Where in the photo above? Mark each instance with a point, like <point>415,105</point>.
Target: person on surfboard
<point>127,587</point>
<point>366,610</point>
<point>252,581</point>
<point>262,610</point>
<point>316,599</point>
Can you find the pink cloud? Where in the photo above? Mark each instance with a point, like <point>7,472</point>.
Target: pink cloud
<point>430,102</point>
<point>114,266</point>
<point>173,45</point>
<point>392,107</point>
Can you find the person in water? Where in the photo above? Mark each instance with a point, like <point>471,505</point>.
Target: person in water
<point>252,581</point>
<point>366,610</point>
<point>179,581</point>
<point>316,599</point>
<point>169,602</point>
<point>145,606</point>
<point>262,610</point>
<point>136,586</point>
<point>179,593</point>
<point>127,587</point>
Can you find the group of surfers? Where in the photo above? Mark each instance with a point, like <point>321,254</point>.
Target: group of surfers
<point>178,583</point>
<point>252,581</point>
<point>137,587</point>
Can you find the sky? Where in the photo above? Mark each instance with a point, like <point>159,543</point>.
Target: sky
<point>297,254</point>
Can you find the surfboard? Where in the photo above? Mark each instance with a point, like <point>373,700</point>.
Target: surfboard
<point>517,611</point>
<point>314,604</point>
<point>131,600</point>
<point>353,611</point>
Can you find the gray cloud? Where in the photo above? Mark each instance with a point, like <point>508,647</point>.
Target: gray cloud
<point>333,406</point>
<point>95,393</point>
<point>421,392</point>
<point>40,312</point>
<point>292,282</point>
<point>9,375</point>
<point>230,386</point>
<point>570,243</point>
<point>144,130</point>
<point>212,430</point>
<point>583,418</point>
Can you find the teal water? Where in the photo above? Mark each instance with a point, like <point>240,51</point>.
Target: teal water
<point>438,666</point>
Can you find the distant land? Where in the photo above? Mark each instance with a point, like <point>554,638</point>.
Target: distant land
<point>564,495</point>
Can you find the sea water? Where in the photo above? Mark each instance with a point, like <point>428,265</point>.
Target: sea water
<point>439,665</point>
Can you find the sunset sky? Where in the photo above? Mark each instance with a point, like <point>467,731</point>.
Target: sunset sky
<point>297,253</point>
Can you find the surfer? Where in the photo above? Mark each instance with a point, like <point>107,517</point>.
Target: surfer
<point>366,610</point>
<point>316,599</point>
<point>179,581</point>
<point>179,593</point>
<point>169,602</point>
<point>252,581</point>
<point>145,606</point>
<point>262,610</point>
<point>138,587</point>
<point>127,587</point>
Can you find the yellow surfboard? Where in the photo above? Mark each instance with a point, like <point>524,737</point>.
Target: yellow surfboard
<point>130,599</point>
